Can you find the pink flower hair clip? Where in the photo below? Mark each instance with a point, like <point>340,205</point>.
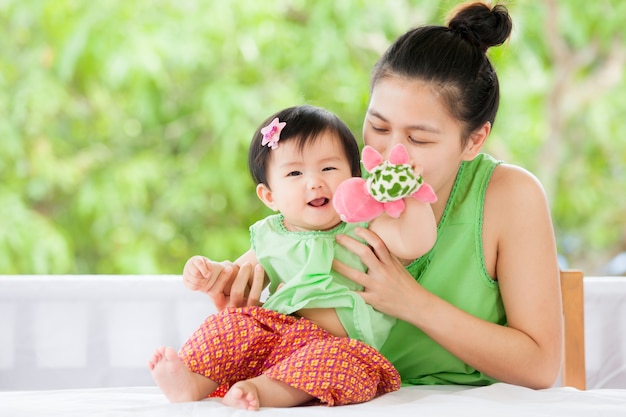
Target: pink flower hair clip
<point>271,133</point>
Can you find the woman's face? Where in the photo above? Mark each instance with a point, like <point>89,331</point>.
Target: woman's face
<point>412,113</point>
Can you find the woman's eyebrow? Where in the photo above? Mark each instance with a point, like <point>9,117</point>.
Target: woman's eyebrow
<point>420,126</point>
<point>377,115</point>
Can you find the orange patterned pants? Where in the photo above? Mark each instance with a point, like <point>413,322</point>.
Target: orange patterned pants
<point>242,343</point>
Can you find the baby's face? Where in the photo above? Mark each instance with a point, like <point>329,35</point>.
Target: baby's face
<point>302,183</point>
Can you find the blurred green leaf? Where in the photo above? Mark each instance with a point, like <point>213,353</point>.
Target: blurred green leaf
<point>126,125</point>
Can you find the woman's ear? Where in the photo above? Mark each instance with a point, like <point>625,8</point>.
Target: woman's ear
<point>265,195</point>
<point>476,141</point>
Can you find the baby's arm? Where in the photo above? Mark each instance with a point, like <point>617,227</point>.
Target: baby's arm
<point>200,273</point>
<point>226,277</point>
<point>412,234</point>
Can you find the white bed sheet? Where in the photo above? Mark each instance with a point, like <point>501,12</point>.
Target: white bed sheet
<point>499,400</point>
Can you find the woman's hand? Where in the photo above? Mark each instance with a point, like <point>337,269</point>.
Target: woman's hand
<point>387,286</point>
<point>227,284</point>
<point>245,288</point>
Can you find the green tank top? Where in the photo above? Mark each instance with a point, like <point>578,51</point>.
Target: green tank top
<point>454,269</point>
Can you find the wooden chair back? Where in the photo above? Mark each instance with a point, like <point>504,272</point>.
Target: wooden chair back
<point>574,329</point>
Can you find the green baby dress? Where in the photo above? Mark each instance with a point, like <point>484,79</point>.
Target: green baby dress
<point>303,262</point>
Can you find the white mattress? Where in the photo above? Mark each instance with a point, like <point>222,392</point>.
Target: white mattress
<point>501,400</point>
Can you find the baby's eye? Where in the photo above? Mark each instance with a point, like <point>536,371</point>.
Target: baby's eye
<point>329,169</point>
<point>294,173</point>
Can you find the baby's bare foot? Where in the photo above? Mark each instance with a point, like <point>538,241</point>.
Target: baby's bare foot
<point>243,394</point>
<point>171,375</point>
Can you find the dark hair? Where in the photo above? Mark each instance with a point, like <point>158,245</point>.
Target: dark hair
<point>453,60</point>
<point>304,124</point>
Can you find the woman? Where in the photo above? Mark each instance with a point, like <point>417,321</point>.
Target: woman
<point>484,304</point>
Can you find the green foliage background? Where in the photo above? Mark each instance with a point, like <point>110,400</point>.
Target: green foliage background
<point>124,124</point>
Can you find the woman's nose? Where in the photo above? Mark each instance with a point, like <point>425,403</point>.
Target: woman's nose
<point>394,139</point>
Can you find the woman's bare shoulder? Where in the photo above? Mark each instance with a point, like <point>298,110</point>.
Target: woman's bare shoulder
<point>515,204</point>
<point>518,226</point>
<point>511,183</point>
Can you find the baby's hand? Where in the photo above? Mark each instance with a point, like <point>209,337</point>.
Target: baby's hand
<point>200,273</point>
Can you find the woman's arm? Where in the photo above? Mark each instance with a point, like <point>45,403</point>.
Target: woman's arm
<point>520,250</point>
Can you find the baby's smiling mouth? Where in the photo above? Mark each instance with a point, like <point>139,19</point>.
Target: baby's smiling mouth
<point>319,202</point>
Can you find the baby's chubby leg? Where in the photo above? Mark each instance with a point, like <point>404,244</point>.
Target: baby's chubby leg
<point>176,381</point>
<point>262,391</point>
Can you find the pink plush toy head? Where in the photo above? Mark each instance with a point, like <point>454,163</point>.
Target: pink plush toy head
<point>360,200</point>
<point>354,203</point>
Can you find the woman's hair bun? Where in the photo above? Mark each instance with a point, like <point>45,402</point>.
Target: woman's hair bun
<point>480,24</point>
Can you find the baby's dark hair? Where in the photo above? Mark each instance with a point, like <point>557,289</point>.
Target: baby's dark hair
<point>304,124</point>
<point>453,60</point>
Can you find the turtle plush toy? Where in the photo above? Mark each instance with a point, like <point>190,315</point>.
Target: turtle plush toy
<point>389,182</point>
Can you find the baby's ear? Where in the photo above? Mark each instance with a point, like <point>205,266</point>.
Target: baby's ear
<point>265,195</point>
